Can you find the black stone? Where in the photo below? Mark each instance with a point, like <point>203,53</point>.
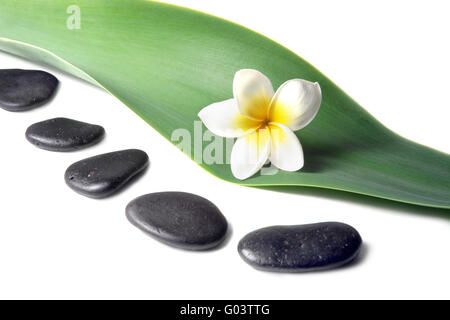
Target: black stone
<point>103,175</point>
<point>61,134</point>
<point>301,248</point>
<point>179,219</point>
<point>22,90</point>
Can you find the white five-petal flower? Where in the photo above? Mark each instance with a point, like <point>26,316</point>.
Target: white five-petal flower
<point>264,121</point>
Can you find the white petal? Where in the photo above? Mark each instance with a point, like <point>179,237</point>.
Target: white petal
<point>296,103</point>
<point>286,152</point>
<point>253,92</point>
<point>224,119</point>
<point>250,153</point>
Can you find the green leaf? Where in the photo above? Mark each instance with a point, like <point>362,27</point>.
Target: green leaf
<point>166,63</point>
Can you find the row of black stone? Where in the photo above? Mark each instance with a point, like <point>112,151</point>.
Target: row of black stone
<point>179,219</point>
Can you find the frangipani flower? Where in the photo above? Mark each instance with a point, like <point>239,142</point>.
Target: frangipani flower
<point>264,121</point>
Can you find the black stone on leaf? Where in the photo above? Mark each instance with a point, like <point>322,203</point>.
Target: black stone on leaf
<point>301,248</point>
<point>179,219</point>
<point>61,134</point>
<point>103,175</point>
<point>22,90</point>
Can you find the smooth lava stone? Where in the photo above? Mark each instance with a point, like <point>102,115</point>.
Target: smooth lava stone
<point>103,175</point>
<point>301,248</point>
<point>22,90</point>
<point>61,134</point>
<point>179,219</point>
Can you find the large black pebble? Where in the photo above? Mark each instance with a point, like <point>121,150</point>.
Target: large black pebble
<point>179,219</point>
<point>22,90</point>
<point>103,175</point>
<point>62,134</point>
<point>301,248</point>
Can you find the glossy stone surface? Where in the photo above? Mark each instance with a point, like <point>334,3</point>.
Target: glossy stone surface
<point>22,90</point>
<point>179,219</point>
<point>301,248</point>
<point>103,175</point>
<point>62,134</point>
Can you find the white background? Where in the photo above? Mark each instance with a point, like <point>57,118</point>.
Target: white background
<point>391,56</point>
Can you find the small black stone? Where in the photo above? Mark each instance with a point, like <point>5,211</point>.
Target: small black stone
<point>103,175</point>
<point>179,219</point>
<point>22,90</point>
<point>301,248</point>
<point>61,134</point>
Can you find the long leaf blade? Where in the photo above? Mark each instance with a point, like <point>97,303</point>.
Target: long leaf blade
<point>166,63</point>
